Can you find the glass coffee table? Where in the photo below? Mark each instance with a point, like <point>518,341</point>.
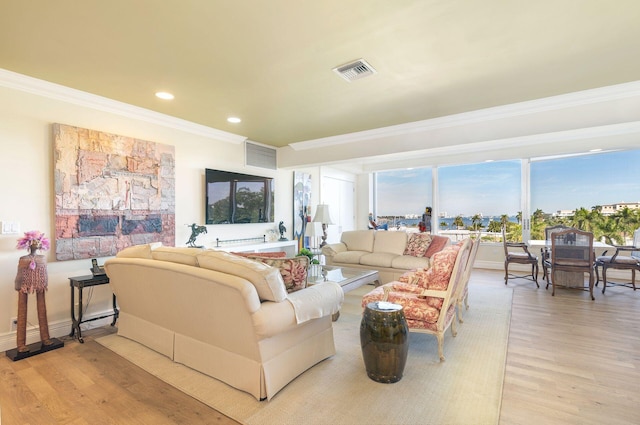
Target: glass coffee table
<point>347,277</point>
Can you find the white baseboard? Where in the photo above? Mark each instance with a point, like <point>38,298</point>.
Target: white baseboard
<point>57,329</point>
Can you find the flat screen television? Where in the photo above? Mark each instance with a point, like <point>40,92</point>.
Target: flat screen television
<point>238,198</point>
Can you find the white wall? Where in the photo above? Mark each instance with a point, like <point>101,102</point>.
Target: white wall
<point>27,194</point>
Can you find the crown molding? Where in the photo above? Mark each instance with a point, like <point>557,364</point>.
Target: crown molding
<point>585,97</point>
<point>61,93</point>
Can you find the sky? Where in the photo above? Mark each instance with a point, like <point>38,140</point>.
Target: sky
<point>493,188</point>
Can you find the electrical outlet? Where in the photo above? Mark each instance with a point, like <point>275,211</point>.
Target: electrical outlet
<point>13,325</point>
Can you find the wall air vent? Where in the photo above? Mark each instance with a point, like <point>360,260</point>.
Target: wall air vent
<point>355,70</point>
<point>260,156</point>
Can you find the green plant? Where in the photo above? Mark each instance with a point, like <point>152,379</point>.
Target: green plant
<point>307,253</point>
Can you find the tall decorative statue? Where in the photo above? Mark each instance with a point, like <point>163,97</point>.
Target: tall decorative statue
<point>32,278</point>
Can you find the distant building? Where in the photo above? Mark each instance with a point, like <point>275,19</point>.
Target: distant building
<point>564,213</point>
<point>611,209</point>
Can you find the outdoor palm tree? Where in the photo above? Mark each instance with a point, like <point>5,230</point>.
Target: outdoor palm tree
<point>457,222</point>
<point>538,216</point>
<point>495,226</point>
<point>581,219</point>
<point>626,221</point>
<point>476,221</point>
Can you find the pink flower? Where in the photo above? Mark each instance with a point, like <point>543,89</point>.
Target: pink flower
<point>33,238</point>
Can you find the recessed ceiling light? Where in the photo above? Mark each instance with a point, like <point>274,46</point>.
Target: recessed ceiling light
<point>164,95</point>
<point>488,160</point>
<point>234,120</point>
<point>595,150</point>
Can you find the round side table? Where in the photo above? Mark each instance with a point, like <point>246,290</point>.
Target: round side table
<point>384,338</point>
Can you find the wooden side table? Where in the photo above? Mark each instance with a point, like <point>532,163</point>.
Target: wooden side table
<point>79,283</point>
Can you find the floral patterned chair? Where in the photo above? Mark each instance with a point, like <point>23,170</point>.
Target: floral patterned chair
<point>463,288</point>
<point>428,296</point>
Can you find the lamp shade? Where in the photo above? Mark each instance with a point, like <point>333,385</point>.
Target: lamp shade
<point>314,229</point>
<point>322,214</point>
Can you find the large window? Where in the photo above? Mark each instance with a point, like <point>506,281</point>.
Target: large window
<point>402,196</point>
<point>479,196</point>
<point>599,193</point>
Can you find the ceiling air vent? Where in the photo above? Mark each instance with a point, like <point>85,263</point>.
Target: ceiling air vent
<point>260,156</point>
<point>355,70</point>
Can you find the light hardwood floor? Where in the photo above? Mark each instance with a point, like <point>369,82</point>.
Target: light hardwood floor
<point>570,360</point>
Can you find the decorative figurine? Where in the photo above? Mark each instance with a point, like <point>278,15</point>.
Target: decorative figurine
<point>32,278</point>
<point>195,231</point>
<point>282,229</point>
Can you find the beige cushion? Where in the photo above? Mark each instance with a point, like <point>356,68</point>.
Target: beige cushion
<point>180,255</point>
<point>358,240</point>
<point>349,257</point>
<point>392,242</point>
<point>266,279</point>
<point>377,259</point>
<point>409,262</point>
<point>139,251</point>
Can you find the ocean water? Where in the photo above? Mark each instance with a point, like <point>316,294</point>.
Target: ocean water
<point>413,222</point>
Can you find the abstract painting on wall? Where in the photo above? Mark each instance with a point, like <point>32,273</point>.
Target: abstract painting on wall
<point>301,205</point>
<point>111,192</point>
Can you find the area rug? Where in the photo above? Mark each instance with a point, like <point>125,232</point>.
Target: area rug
<point>464,389</point>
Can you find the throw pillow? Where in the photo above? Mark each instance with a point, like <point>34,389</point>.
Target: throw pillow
<point>293,270</point>
<point>418,244</point>
<point>437,244</point>
<point>267,280</point>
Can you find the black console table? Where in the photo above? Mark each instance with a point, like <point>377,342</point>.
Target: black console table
<point>81,282</point>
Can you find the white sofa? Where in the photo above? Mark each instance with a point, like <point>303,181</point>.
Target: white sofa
<point>226,316</point>
<point>384,251</point>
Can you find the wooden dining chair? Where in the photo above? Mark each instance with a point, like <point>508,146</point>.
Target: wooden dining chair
<point>520,255</point>
<point>621,262</point>
<point>545,251</point>
<point>572,252</point>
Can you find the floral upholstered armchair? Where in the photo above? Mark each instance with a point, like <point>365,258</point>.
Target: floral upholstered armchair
<point>429,296</point>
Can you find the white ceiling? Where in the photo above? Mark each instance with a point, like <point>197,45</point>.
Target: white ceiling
<point>270,62</point>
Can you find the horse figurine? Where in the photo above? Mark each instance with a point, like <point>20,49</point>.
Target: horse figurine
<point>195,231</point>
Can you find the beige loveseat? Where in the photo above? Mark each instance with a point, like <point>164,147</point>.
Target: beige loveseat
<point>391,253</point>
<point>226,316</point>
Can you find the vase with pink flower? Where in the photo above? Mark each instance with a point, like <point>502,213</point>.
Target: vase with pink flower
<point>32,278</point>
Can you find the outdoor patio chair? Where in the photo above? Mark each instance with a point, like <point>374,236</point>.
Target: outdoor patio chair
<point>523,257</point>
<point>572,251</point>
<point>620,262</point>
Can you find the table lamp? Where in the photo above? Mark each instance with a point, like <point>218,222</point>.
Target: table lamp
<point>322,216</point>
<point>313,230</point>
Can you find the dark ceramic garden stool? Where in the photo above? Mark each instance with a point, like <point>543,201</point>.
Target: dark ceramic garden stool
<point>384,337</point>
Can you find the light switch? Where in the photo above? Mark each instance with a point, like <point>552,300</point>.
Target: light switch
<point>10,227</point>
